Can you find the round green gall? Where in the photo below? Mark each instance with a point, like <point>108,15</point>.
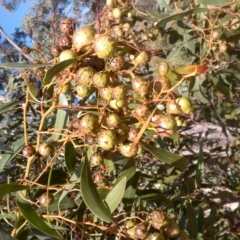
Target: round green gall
<point>66,55</point>
<point>105,46</point>
<point>117,13</point>
<point>46,200</point>
<point>83,38</point>
<point>163,68</point>
<point>125,148</point>
<point>46,149</point>
<point>184,104</point>
<point>106,139</point>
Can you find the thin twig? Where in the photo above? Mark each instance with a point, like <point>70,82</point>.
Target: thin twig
<point>15,45</point>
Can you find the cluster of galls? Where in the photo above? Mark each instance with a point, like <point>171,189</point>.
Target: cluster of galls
<point>109,132</point>
<point>159,227</point>
<point>109,72</point>
<point>113,76</point>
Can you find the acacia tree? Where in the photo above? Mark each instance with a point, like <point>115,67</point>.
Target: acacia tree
<point>115,135</point>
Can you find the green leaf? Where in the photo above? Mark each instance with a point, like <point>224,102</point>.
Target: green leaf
<point>198,92</point>
<point>16,147</point>
<point>171,178</point>
<point>114,197</point>
<point>4,235</point>
<point>164,4</point>
<point>167,157</point>
<point>11,187</point>
<point>70,156</point>
<point>180,16</point>
<point>22,65</point>
<point>75,177</point>
<point>216,3</point>
<point>192,222</point>
<point>41,235</point>
<point>23,234</point>
<point>5,107</point>
<point>200,165</point>
<point>200,220</point>
<point>172,55</point>
<point>128,170</point>
<point>56,69</point>
<point>91,197</point>
<point>62,117</point>
<point>130,193</point>
<point>190,42</point>
<point>226,18</point>
<point>103,192</point>
<point>32,90</point>
<point>157,15</point>
<point>219,85</point>
<point>4,147</point>
<point>57,177</point>
<point>151,195</point>
<point>30,215</point>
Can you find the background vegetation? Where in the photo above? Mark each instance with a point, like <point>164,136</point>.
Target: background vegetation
<point>183,177</point>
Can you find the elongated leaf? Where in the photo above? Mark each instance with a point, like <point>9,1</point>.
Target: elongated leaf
<point>16,147</point>
<point>70,156</point>
<point>216,3</point>
<point>167,157</point>
<point>192,69</point>
<point>57,177</point>
<point>157,15</point>
<point>30,215</point>
<point>173,77</point>
<point>22,65</point>
<point>75,177</point>
<point>200,165</point>
<point>4,235</point>
<point>103,192</point>
<point>130,193</point>
<point>180,16</point>
<point>56,69</point>
<point>11,187</point>
<point>41,235</point>
<point>91,197</point>
<point>218,83</point>
<point>151,195</point>
<point>198,92</point>
<point>192,222</point>
<point>62,118</point>
<point>4,147</point>
<point>32,91</point>
<point>128,170</point>
<point>5,107</point>
<point>23,234</point>
<point>115,196</point>
<point>174,53</point>
<point>200,219</point>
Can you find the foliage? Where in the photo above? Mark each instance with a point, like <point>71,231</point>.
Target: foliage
<point>102,140</point>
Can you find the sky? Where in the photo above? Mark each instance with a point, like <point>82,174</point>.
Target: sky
<point>11,20</point>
